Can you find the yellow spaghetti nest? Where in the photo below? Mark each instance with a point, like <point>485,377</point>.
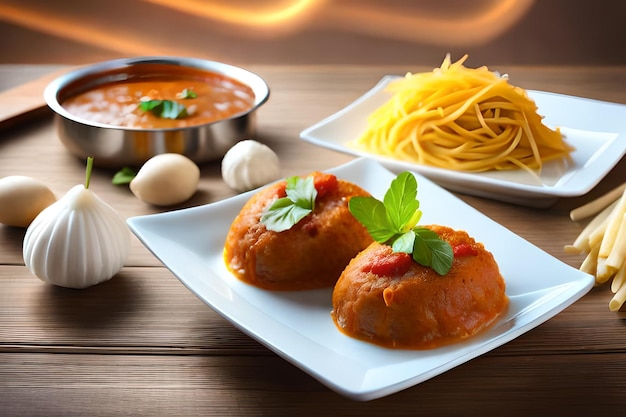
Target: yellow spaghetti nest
<point>462,119</point>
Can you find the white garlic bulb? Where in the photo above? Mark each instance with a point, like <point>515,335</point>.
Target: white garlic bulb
<point>22,199</point>
<point>77,242</point>
<point>249,164</point>
<point>166,179</point>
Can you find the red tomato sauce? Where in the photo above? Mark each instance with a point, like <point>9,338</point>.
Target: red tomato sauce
<point>394,264</point>
<point>464,250</point>
<point>217,97</point>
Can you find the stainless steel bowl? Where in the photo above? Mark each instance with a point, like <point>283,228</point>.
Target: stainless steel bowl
<point>115,146</point>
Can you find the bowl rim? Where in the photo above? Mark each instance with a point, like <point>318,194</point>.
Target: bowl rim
<point>51,92</point>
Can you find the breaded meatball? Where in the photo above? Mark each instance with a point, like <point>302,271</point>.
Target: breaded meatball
<point>388,299</point>
<point>311,254</point>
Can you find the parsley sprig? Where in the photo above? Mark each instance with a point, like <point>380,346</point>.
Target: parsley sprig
<point>186,93</point>
<point>287,211</point>
<point>123,176</point>
<point>166,109</point>
<point>394,221</point>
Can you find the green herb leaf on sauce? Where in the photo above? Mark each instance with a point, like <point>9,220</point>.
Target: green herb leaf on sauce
<point>187,93</point>
<point>373,215</point>
<point>431,250</point>
<point>166,109</point>
<point>394,222</point>
<point>287,211</point>
<point>123,176</point>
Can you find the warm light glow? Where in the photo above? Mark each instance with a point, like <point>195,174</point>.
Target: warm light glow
<point>270,15</point>
<point>70,29</point>
<point>469,24</point>
<point>481,26</point>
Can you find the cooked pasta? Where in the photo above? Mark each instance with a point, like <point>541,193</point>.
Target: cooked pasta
<point>462,119</point>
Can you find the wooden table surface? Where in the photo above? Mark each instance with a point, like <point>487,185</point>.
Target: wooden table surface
<point>142,344</point>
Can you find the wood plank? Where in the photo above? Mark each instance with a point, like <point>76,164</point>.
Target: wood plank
<point>139,310</point>
<point>200,385</point>
<point>25,102</point>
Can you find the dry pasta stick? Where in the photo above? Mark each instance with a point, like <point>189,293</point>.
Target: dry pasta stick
<point>618,299</point>
<point>462,119</point>
<point>618,280</point>
<point>597,205</point>
<point>608,229</point>
<point>592,233</point>
<point>616,257</point>
<point>590,264</point>
<point>613,227</point>
<point>603,271</point>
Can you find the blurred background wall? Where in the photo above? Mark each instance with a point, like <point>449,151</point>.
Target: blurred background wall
<point>502,32</point>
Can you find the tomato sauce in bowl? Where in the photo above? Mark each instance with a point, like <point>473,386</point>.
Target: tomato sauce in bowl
<point>124,111</point>
<point>205,97</point>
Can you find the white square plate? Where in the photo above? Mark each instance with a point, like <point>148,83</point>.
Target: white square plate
<point>596,129</point>
<point>297,325</point>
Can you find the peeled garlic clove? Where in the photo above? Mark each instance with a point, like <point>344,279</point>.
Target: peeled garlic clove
<point>250,164</point>
<point>166,179</point>
<point>22,199</point>
<point>77,242</point>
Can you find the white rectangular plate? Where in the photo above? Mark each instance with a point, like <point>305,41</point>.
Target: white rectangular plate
<point>297,325</point>
<point>595,128</point>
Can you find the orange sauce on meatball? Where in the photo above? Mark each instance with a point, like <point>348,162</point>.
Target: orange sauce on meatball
<point>311,254</point>
<point>388,299</point>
